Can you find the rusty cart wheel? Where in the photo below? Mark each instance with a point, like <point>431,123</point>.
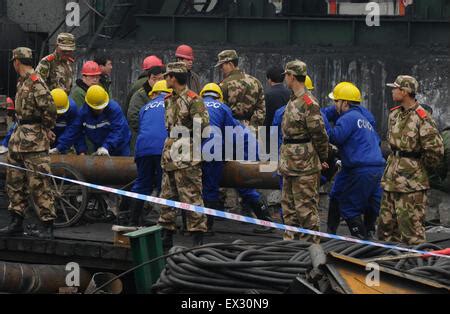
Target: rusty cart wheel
<point>70,199</point>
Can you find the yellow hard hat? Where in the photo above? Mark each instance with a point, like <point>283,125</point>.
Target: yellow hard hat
<point>96,97</point>
<point>214,88</point>
<point>160,86</point>
<point>346,91</point>
<point>308,83</point>
<point>61,100</point>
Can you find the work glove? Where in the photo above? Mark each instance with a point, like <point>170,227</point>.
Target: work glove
<point>339,164</point>
<point>101,152</point>
<point>3,149</point>
<point>54,151</point>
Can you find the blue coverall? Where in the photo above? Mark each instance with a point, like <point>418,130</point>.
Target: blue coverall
<point>150,140</point>
<point>220,116</point>
<point>109,129</point>
<point>357,186</point>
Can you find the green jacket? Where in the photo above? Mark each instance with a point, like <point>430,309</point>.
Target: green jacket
<point>139,99</point>
<point>133,89</point>
<point>78,93</point>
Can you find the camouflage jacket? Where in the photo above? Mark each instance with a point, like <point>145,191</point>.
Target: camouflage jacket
<point>413,131</point>
<point>302,121</point>
<point>33,103</point>
<point>56,72</point>
<point>244,94</point>
<point>181,109</point>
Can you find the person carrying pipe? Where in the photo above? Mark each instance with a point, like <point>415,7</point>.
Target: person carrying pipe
<point>102,122</point>
<point>221,116</point>
<point>151,136</point>
<point>357,186</point>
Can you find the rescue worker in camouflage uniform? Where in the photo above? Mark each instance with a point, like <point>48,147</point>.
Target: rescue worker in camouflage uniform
<point>243,93</point>
<point>303,154</point>
<point>182,176</point>
<point>56,69</point>
<point>28,148</point>
<point>416,146</point>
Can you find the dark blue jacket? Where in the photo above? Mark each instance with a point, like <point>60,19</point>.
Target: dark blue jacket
<point>63,121</point>
<point>355,136</point>
<point>152,130</point>
<point>220,117</point>
<point>5,141</point>
<point>108,129</point>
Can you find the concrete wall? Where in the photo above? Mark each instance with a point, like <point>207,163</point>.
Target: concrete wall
<point>369,69</point>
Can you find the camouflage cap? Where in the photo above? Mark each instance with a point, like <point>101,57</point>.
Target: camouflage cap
<point>296,67</point>
<point>176,67</point>
<point>66,42</point>
<point>405,82</point>
<point>22,53</point>
<point>226,56</point>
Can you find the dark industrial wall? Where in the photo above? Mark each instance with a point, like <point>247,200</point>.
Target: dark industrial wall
<point>368,69</point>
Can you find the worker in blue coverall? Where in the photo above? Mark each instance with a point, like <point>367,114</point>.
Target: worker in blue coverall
<point>220,116</point>
<point>357,186</point>
<point>150,140</point>
<point>67,111</point>
<point>102,121</point>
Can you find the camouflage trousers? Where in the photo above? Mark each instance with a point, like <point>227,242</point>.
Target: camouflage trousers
<point>184,185</point>
<point>300,203</point>
<point>402,217</point>
<point>21,184</point>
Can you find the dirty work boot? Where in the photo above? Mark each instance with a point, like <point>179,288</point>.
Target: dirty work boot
<point>15,226</point>
<point>357,228</point>
<point>261,211</point>
<point>167,238</point>
<point>197,238</point>
<point>136,208</point>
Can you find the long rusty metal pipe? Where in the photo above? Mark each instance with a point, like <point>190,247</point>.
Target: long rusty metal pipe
<point>114,171</point>
<point>36,279</point>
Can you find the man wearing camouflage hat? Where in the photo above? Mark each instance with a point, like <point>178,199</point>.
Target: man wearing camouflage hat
<point>303,154</point>
<point>29,146</point>
<point>416,146</point>
<point>56,69</point>
<point>182,176</point>
<point>243,93</point>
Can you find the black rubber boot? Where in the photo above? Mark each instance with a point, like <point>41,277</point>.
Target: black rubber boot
<point>167,238</point>
<point>197,238</point>
<point>213,205</point>
<point>136,208</point>
<point>370,220</point>
<point>334,216</point>
<point>357,228</point>
<point>261,211</point>
<point>123,217</point>
<point>15,226</point>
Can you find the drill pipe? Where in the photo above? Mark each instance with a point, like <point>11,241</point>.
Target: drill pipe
<point>36,279</point>
<point>119,171</point>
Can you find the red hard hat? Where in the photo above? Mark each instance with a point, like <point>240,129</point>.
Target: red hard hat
<point>185,52</point>
<point>150,62</point>
<point>10,103</point>
<point>91,68</point>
